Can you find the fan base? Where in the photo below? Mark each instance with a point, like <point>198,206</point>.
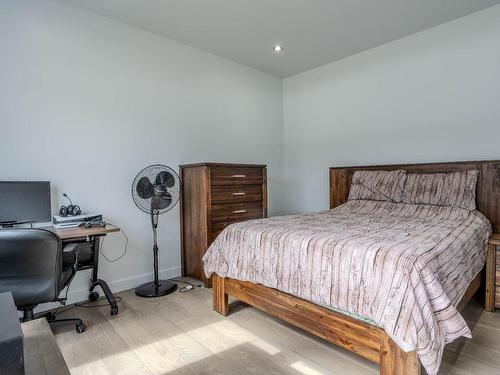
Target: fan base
<point>149,290</point>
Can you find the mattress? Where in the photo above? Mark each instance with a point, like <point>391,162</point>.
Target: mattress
<point>403,267</point>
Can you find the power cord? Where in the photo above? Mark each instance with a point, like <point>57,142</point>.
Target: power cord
<point>124,249</point>
<point>188,286</point>
<point>91,304</point>
<point>63,302</point>
<point>85,305</point>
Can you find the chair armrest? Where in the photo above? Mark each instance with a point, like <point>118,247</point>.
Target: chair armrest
<point>70,254</point>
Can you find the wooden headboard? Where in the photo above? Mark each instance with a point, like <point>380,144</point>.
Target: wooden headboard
<point>488,184</point>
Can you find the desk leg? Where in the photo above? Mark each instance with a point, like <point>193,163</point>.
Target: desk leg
<point>94,281</point>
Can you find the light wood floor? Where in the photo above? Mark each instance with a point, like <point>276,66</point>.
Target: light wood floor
<point>180,334</point>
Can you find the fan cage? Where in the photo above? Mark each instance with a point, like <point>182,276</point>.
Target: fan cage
<point>151,172</point>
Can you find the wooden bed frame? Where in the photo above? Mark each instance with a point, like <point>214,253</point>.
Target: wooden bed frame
<point>367,340</point>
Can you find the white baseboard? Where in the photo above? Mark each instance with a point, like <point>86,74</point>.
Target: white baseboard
<point>80,295</point>
<point>133,281</point>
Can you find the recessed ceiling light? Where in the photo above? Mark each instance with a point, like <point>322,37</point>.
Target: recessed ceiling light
<point>278,48</point>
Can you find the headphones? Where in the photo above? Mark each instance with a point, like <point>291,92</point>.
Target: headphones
<point>71,210</point>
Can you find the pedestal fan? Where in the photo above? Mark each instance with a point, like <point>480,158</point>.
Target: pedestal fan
<point>155,190</point>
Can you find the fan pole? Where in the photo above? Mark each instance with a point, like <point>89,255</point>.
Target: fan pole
<point>158,287</point>
<point>154,224</point>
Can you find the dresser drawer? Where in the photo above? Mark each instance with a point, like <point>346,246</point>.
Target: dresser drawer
<point>236,176</point>
<point>216,230</point>
<point>235,212</point>
<point>226,214</point>
<point>236,193</point>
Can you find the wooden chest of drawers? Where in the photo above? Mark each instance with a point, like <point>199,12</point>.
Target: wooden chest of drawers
<point>213,196</point>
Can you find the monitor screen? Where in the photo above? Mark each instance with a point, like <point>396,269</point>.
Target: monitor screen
<point>22,201</point>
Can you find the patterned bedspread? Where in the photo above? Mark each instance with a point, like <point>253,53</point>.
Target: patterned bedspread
<point>404,267</point>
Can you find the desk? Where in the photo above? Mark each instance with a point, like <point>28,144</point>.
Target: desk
<point>91,236</point>
<point>82,232</point>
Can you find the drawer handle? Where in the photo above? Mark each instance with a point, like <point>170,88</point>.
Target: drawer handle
<point>239,193</point>
<point>239,211</point>
<point>238,176</point>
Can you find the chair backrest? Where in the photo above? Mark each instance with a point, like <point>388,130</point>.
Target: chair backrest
<point>30,265</point>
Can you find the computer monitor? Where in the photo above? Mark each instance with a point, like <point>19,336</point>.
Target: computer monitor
<point>24,201</point>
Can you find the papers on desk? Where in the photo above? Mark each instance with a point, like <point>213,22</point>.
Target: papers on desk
<point>68,225</point>
<point>75,219</point>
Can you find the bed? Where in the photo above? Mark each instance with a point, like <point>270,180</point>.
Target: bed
<point>381,278</point>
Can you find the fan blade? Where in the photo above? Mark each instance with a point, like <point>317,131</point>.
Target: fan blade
<point>144,188</point>
<point>160,203</point>
<point>165,178</point>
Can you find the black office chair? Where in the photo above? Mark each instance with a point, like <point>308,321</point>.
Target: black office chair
<point>35,268</point>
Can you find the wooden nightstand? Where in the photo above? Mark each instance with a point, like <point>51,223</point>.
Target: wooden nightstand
<point>493,274</point>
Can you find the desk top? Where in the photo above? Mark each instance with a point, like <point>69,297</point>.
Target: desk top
<point>79,232</point>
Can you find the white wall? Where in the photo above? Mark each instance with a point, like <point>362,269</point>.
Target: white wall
<point>432,96</point>
<point>86,102</point>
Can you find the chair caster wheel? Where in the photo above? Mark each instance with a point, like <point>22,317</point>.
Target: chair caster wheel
<point>93,296</point>
<point>114,310</point>
<point>80,328</point>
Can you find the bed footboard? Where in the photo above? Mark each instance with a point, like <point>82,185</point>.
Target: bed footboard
<point>362,338</point>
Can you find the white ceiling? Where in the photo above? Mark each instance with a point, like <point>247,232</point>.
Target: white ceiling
<point>313,32</point>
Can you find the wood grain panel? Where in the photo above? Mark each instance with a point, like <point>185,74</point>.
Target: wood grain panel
<point>82,232</point>
<point>216,230</point>
<point>490,298</point>
<point>495,239</point>
<point>495,245</point>
<point>236,176</point>
<point>354,335</point>
<point>220,296</point>
<point>236,193</point>
<point>235,212</point>
<point>194,205</point>
<point>471,290</point>
<point>224,215</point>
<point>357,336</point>
<point>264,192</point>
<point>394,361</point>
